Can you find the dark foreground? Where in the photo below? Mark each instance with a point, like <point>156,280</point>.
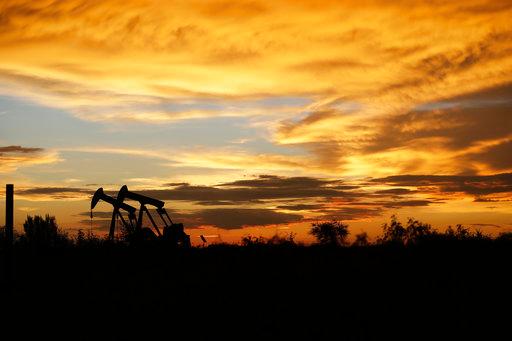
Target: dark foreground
<point>452,291</point>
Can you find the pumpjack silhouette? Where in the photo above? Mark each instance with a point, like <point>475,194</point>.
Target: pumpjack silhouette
<point>172,233</point>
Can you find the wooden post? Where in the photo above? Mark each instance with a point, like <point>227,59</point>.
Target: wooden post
<point>8,242</point>
<point>9,214</point>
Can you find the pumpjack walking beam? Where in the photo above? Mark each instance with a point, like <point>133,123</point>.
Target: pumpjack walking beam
<point>124,193</point>
<point>100,195</point>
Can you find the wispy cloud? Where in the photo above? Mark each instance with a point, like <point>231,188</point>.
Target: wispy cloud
<point>14,157</point>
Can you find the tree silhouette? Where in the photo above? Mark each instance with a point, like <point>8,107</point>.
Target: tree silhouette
<point>43,232</point>
<point>416,231</point>
<point>330,232</point>
<point>393,232</point>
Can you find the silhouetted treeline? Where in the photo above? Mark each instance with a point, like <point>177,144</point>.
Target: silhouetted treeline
<point>412,283</point>
<point>43,232</point>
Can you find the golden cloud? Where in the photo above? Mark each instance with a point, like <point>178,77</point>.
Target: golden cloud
<point>14,157</point>
<point>361,63</point>
<point>386,55</point>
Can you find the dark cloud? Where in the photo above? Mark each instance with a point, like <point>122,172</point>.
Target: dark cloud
<point>469,184</point>
<point>174,184</point>
<point>273,181</point>
<point>498,157</point>
<point>235,218</point>
<point>264,187</point>
<point>19,149</point>
<point>55,192</point>
<point>301,207</point>
<point>407,203</point>
<point>490,200</point>
<point>456,128</point>
<point>12,157</point>
<point>97,214</point>
<point>217,203</point>
<point>52,190</point>
<point>453,124</point>
<point>350,213</point>
<point>395,191</point>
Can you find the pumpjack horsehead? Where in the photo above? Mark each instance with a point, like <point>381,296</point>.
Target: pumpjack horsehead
<point>172,232</point>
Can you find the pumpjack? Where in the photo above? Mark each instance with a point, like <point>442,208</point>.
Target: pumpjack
<point>117,206</point>
<point>172,232</point>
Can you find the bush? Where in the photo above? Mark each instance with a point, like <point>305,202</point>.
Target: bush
<point>361,239</point>
<point>88,239</point>
<point>459,233</point>
<point>414,232</point>
<point>504,237</point>
<point>44,232</point>
<point>330,232</point>
<point>253,241</point>
<point>289,239</point>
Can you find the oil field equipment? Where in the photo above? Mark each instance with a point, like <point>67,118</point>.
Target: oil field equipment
<point>172,232</point>
<point>117,206</point>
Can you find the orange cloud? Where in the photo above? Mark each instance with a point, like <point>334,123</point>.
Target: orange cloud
<point>363,64</point>
<point>385,55</point>
<point>14,157</point>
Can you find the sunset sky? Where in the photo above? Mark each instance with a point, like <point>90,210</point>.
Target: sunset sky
<point>260,117</point>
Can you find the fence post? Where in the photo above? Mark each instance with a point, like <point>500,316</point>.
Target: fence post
<point>9,214</point>
<point>8,242</point>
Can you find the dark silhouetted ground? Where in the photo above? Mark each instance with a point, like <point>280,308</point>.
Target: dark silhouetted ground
<point>449,290</point>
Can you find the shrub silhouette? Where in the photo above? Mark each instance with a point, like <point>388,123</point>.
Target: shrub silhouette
<point>288,239</point>
<point>275,240</point>
<point>253,241</point>
<point>460,232</point>
<point>88,239</point>
<point>330,232</point>
<point>44,232</point>
<point>361,239</point>
<point>414,232</point>
<point>504,237</point>
<point>418,232</point>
